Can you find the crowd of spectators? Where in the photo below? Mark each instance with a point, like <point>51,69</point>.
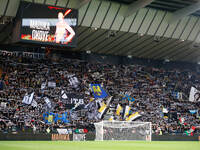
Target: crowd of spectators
<point>152,88</point>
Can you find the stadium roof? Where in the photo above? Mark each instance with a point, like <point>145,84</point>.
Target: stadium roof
<point>166,5</point>
<point>158,29</point>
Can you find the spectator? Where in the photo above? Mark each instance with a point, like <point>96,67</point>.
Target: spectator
<point>152,88</point>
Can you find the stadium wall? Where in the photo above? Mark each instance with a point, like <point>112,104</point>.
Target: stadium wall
<point>104,59</point>
<point>88,137</point>
<point>25,137</point>
<point>174,138</point>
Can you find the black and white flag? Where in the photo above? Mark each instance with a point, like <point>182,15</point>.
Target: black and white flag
<point>63,95</point>
<point>48,102</point>
<point>43,85</point>
<point>34,103</point>
<point>73,81</point>
<point>194,95</point>
<point>74,99</point>
<point>51,84</point>
<point>28,98</point>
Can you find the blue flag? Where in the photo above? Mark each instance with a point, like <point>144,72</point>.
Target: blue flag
<point>45,117</point>
<point>55,117</point>
<point>129,98</point>
<point>98,91</point>
<point>64,118</point>
<point>193,111</point>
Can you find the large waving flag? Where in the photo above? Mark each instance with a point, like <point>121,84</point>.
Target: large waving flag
<point>102,110</point>
<point>133,116</point>
<point>181,120</point>
<point>194,95</point>
<point>34,103</point>
<point>98,91</point>
<point>48,102</point>
<point>28,98</point>
<point>129,98</point>
<point>118,110</point>
<point>126,111</point>
<point>190,132</point>
<point>63,95</point>
<point>43,85</point>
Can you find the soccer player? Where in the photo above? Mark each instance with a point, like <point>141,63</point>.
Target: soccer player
<point>62,29</point>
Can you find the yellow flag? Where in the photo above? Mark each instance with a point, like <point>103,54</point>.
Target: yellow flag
<point>119,108</point>
<point>50,118</point>
<point>97,90</point>
<point>133,116</point>
<point>111,118</point>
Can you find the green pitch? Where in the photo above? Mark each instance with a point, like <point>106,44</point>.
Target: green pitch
<point>106,145</point>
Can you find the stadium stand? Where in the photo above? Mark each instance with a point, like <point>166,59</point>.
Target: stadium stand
<point>121,71</point>
<point>157,94</point>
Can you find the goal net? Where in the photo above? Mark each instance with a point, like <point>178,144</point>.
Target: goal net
<point>123,130</point>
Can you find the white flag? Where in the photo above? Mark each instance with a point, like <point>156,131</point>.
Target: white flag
<point>43,85</point>
<point>194,95</point>
<point>3,104</point>
<point>179,95</point>
<point>28,99</point>
<point>73,80</point>
<point>126,111</point>
<point>165,110</point>
<point>34,103</point>
<point>77,104</point>
<point>48,102</point>
<point>63,131</point>
<point>109,100</point>
<point>52,84</point>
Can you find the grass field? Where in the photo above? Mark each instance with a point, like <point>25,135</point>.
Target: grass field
<point>106,145</point>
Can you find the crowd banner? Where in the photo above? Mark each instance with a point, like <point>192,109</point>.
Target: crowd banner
<point>62,137</point>
<point>50,117</point>
<point>74,99</point>
<point>64,131</point>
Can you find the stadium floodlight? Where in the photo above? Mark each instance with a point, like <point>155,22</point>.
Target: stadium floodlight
<point>129,56</point>
<point>123,130</point>
<point>94,28</point>
<point>88,52</point>
<point>166,60</point>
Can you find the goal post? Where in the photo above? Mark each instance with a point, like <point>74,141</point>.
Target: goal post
<point>123,130</point>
